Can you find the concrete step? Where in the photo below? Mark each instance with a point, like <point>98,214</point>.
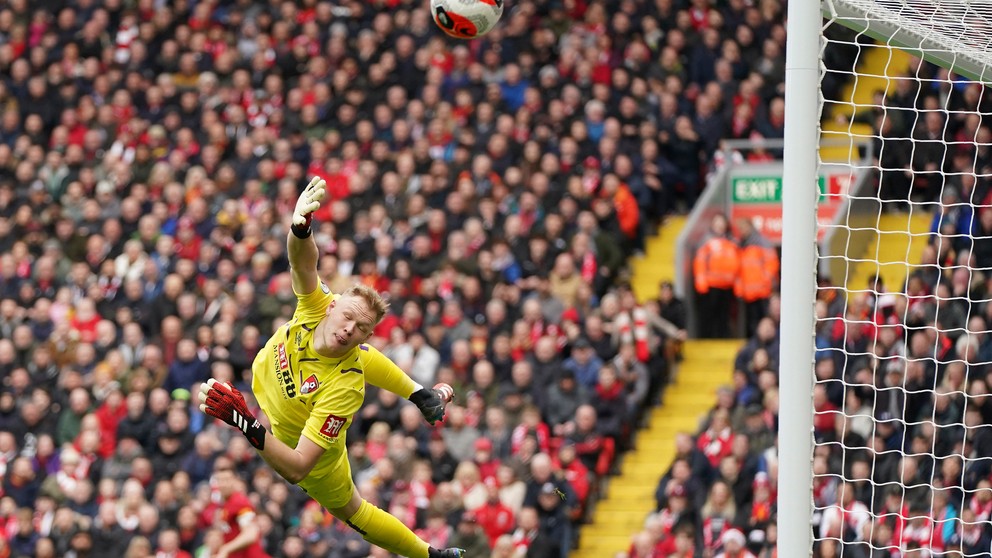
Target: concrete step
<point>601,545</point>
<point>631,491</point>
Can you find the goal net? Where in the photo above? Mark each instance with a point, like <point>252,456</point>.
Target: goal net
<point>902,449</point>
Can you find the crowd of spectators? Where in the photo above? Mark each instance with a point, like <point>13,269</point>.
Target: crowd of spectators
<point>151,154</point>
<point>902,463</point>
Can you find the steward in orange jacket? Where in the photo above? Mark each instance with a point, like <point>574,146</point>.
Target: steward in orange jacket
<point>758,276</point>
<point>715,269</point>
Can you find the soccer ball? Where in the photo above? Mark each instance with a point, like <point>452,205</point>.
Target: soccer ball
<point>466,19</point>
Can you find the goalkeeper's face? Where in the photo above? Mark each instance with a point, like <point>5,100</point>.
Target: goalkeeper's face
<point>349,322</point>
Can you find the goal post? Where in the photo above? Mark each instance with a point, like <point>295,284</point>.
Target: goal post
<point>798,282</point>
<point>885,423</point>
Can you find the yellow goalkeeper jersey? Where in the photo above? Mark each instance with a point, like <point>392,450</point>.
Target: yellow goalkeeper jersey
<point>305,393</point>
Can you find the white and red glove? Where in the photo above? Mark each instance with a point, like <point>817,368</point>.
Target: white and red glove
<point>308,202</point>
<point>225,402</point>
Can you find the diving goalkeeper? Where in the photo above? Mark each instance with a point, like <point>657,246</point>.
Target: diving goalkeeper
<point>309,379</point>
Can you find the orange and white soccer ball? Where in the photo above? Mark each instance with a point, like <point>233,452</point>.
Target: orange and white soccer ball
<point>466,19</point>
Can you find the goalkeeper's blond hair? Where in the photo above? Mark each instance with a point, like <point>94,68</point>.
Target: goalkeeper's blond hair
<point>377,305</point>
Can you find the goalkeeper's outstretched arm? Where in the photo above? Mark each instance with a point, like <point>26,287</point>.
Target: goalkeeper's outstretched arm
<point>300,245</point>
<point>225,402</point>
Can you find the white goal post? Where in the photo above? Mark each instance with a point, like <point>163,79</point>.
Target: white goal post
<point>901,412</point>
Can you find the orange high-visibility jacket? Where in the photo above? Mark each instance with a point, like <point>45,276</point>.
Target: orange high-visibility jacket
<point>628,214</point>
<point>759,272</point>
<point>716,264</point>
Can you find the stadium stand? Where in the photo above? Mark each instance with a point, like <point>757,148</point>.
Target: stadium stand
<point>902,427</point>
<point>150,156</point>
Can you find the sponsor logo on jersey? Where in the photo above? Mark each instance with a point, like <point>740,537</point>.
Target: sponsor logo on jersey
<point>332,426</point>
<point>325,288</point>
<point>309,385</point>
<point>283,373</point>
<point>355,370</point>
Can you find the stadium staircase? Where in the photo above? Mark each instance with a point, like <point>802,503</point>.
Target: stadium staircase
<point>658,262</point>
<point>901,236</point>
<point>900,240</point>
<point>629,496</point>
<point>876,69</point>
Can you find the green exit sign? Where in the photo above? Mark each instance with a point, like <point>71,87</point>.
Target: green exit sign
<point>757,189</point>
<point>765,189</point>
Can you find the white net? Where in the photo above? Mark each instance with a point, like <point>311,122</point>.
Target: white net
<point>903,451</point>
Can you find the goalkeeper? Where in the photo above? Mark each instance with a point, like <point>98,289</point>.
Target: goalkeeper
<point>309,379</point>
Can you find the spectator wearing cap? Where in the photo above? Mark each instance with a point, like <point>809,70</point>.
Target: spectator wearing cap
<point>563,399</point>
<point>470,536</point>
<point>584,363</point>
<point>553,513</point>
<point>485,459</point>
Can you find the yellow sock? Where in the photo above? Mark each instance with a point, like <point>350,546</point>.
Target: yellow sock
<point>386,375</point>
<point>384,530</point>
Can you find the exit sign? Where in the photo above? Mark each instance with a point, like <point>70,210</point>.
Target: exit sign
<point>757,189</point>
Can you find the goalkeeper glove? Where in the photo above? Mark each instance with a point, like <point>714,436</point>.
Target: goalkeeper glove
<point>431,402</point>
<point>226,403</point>
<point>308,202</point>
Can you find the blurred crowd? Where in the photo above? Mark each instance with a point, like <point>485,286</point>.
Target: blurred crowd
<point>151,154</point>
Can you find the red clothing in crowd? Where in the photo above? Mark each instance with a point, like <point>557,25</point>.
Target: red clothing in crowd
<point>577,475</point>
<point>521,432</point>
<point>716,445</point>
<point>109,418</point>
<point>227,518</point>
<point>495,518</point>
<point>85,328</point>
